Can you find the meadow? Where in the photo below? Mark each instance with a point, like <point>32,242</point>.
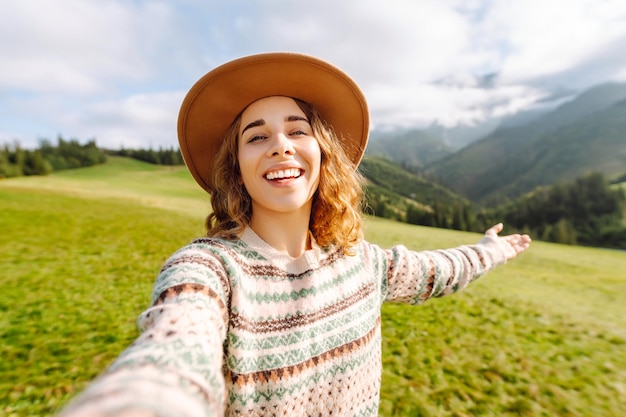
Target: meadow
<point>542,336</point>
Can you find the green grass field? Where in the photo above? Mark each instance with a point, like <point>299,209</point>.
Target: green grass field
<point>542,336</point>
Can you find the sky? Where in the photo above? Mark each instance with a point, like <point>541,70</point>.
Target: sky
<point>117,70</point>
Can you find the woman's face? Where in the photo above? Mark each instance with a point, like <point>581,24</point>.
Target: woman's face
<point>279,157</point>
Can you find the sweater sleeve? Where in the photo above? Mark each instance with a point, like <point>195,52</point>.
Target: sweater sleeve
<point>414,277</point>
<point>174,368</point>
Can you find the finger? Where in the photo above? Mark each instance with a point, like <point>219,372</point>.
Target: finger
<point>495,229</point>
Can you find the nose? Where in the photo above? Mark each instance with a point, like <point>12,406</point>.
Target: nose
<point>280,145</point>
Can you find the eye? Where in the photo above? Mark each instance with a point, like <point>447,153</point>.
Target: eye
<point>301,129</point>
<point>256,138</point>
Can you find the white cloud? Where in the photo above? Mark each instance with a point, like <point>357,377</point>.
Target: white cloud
<point>72,67</point>
<point>60,46</point>
<point>546,38</point>
<point>371,40</point>
<point>135,121</point>
<point>449,105</point>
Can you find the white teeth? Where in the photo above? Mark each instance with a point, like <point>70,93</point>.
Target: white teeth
<point>281,174</point>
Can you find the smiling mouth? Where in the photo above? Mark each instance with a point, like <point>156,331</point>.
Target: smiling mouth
<point>283,174</point>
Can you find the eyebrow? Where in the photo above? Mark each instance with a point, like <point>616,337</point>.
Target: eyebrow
<point>261,122</point>
<point>296,119</point>
<point>256,123</point>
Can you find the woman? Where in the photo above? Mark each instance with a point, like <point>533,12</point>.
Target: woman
<point>277,311</point>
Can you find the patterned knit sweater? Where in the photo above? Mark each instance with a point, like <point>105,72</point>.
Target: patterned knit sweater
<point>238,328</point>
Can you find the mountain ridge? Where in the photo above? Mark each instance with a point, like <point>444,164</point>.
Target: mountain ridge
<point>587,133</point>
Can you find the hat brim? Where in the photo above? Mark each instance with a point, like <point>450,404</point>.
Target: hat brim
<point>214,101</point>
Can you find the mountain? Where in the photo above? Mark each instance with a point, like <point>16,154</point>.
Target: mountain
<point>584,134</point>
<point>410,148</point>
<point>595,143</point>
<point>459,136</point>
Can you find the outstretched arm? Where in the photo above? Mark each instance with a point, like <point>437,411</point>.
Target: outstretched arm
<point>175,366</point>
<point>414,277</point>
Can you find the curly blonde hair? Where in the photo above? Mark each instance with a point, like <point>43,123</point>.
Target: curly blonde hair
<point>336,214</point>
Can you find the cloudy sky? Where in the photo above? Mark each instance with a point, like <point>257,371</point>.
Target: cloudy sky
<point>117,70</point>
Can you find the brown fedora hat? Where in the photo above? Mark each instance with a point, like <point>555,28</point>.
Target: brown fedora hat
<point>214,101</point>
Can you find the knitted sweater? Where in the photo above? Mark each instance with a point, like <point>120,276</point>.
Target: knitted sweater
<point>238,328</point>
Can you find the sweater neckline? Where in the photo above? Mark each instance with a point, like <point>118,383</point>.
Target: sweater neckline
<point>250,238</point>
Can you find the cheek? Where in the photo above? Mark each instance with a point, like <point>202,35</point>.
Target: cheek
<point>245,160</point>
<point>248,171</point>
<point>316,170</point>
<point>314,151</point>
<point>317,158</point>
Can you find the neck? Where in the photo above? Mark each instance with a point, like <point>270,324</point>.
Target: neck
<point>285,232</point>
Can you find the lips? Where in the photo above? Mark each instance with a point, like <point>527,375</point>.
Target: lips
<point>282,174</point>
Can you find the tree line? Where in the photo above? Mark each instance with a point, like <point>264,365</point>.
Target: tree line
<point>588,211</point>
<point>16,161</point>
<point>167,156</point>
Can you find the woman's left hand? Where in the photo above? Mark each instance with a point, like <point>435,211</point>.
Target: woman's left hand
<point>512,245</point>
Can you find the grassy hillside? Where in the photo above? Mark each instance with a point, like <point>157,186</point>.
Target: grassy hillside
<point>542,336</point>
<point>127,180</point>
<point>390,187</point>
